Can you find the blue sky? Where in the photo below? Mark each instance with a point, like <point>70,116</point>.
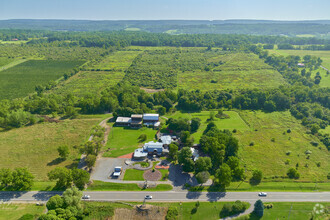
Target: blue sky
<point>165,9</point>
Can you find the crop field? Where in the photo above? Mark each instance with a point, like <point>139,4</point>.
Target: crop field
<point>198,68</point>
<point>88,82</point>
<point>239,70</point>
<point>234,122</point>
<point>17,210</point>
<point>110,71</point>
<point>286,150</point>
<point>20,80</point>
<point>324,55</point>
<point>118,61</point>
<point>4,61</point>
<point>36,146</point>
<point>122,140</point>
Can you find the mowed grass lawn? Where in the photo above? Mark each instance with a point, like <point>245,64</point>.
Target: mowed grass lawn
<point>20,80</point>
<point>206,210</point>
<point>35,147</point>
<point>234,122</point>
<point>291,210</point>
<point>17,210</point>
<point>108,186</point>
<point>122,140</point>
<point>324,55</point>
<point>133,174</point>
<point>240,70</point>
<point>271,156</point>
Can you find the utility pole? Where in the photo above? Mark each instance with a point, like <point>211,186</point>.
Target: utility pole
<point>290,211</point>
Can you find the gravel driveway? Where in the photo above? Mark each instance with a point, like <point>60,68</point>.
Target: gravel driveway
<point>104,167</point>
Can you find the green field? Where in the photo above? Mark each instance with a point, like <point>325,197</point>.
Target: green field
<point>107,186</point>
<point>16,211</point>
<point>234,122</point>
<point>166,67</point>
<point>270,157</point>
<point>36,146</point>
<point>240,70</point>
<point>324,55</point>
<point>20,80</point>
<point>110,71</point>
<point>5,61</point>
<point>291,210</point>
<point>117,61</point>
<point>88,82</point>
<point>206,210</point>
<point>122,140</point>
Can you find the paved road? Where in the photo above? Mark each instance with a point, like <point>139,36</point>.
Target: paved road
<point>171,196</point>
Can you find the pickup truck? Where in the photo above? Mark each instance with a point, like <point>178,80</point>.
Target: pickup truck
<point>117,172</point>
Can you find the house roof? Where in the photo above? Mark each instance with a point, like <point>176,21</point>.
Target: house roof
<point>123,120</point>
<point>153,145</point>
<point>166,139</point>
<point>195,153</point>
<point>151,117</point>
<point>136,116</point>
<point>139,153</point>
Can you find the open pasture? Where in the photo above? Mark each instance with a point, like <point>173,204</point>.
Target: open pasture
<point>35,147</point>
<point>20,80</point>
<point>269,147</point>
<point>324,55</point>
<point>17,210</point>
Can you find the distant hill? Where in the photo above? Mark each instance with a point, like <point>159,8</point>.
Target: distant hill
<point>318,28</point>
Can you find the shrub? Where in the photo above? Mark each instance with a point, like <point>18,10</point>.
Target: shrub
<point>142,138</point>
<point>234,131</point>
<point>328,176</point>
<point>251,143</point>
<point>318,164</point>
<point>308,152</point>
<point>268,206</point>
<point>314,143</point>
<point>288,131</point>
<point>293,173</point>
<point>172,213</point>
<point>256,177</point>
<point>288,152</point>
<point>273,139</point>
<point>287,161</point>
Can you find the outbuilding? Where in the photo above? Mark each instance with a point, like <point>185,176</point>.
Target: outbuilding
<point>123,121</point>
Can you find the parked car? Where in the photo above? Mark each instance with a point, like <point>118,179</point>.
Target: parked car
<point>262,194</point>
<point>86,197</point>
<point>117,172</point>
<point>148,197</point>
